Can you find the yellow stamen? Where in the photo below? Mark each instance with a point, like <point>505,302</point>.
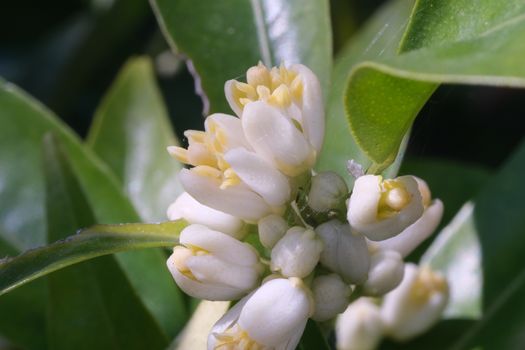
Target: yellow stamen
<point>235,338</point>
<point>195,136</point>
<point>230,178</point>
<point>281,97</point>
<point>179,153</point>
<point>426,284</point>
<point>394,198</point>
<point>204,170</point>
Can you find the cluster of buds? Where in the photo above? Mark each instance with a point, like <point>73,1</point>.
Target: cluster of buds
<point>265,229</point>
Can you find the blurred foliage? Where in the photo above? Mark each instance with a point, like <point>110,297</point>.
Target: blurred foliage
<point>79,59</point>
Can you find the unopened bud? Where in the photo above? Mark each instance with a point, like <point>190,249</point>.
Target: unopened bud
<point>385,274</point>
<point>271,229</point>
<point>328,191</point>
<point>297,253</point>
<point>345,252</point>
<point>360,327</point>
<point>330,296</point>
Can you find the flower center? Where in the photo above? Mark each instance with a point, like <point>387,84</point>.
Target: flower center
<point>279,87</point>
<point>394,198</point>
<point>206,153</point>
<point>426,284</point>
<point>235,338</point>
<point>181,254</point>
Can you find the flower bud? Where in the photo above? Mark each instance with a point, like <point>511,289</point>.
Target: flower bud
<point>328,191</point>
<point>187,208</point>
<point>344,252</point>
<point>271,229</point>
<point>212,265</point>
<point>415,234</point>
<point>386,273</point>
<point>273,317</point>
<point>297,253</point>
<point>416,304</point>
<point>360,327</point>
<point>380,209</point>
<point>331,296</point>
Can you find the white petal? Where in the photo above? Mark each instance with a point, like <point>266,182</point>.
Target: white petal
<point>404,314</point>
<point>231,128</point>
<point>189,209</point>
<point>210,269</point>
<point>385,274</point>
<point>413,235</point>
<point>221,245</point>
<point>275,312</point>
<point>363,208</point>
<point>313,106</point>
<point>330,296</point>
<point>275,138</point>
<point>360,327</point>
<point>344,252</point>
<point>200,290</point>
<point>235,200</point>
<point>271,229</point>
<point>260,176</point>
<point>228,91</point>
<point>297,253</point>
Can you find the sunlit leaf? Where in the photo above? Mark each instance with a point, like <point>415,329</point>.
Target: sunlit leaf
<point>130,132</point>
<point>223,38</point>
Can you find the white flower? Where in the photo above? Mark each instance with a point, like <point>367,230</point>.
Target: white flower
<point>273,317</point>
<point>187,208</point>
<point>297,253</point>
<point>271,229</point>
<point>293,89</point>
<point>277,139</point>
<point>380,209</point>
<point>327,191</point>
<point>360,327</point>
<point>405,242</point>
<point>416,305</point>
<point>212,265</point>
<point>386,273</point>
<point>344,252</point>
<point>227,175</point>
<point>331,296</point>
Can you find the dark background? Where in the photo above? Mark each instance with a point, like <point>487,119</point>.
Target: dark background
<point>66,53</point>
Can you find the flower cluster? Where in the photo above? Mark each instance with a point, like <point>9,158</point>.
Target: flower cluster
<point>289,243</point>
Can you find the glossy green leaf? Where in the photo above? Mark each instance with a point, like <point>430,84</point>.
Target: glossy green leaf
<point>313,338</point>
<point>457,42</point>
<point>439,337</point>
<point>89,243</point>
<point>223,38</point>
<point>22,222</point>
<point>130,132</point>
<point>490,240</point>
<point>93,298</point>
<point>379,37</point>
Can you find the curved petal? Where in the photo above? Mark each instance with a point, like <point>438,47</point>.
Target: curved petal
<point>260,176</point>
<point>275,138</point>
<point>312,107</point>
<point>200,290</point>
<point>405,242</point>
<point>228,92</point>
<point>235,200</point>
<point>189,209</point>
<point>221,245</point>
<point>228,129</point>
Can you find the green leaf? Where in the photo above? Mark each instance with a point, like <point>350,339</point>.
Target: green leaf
<point>130,132</point>
<point>313,338</point>
<point>93,298</point>
<point>457,42</point>
<point>25,326</point>
<point>439,337</point>
<point>379,37</point>
<point>89,243</point>
<point>224,38</point>
<point>22,223</point>
<point>493,237</point>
